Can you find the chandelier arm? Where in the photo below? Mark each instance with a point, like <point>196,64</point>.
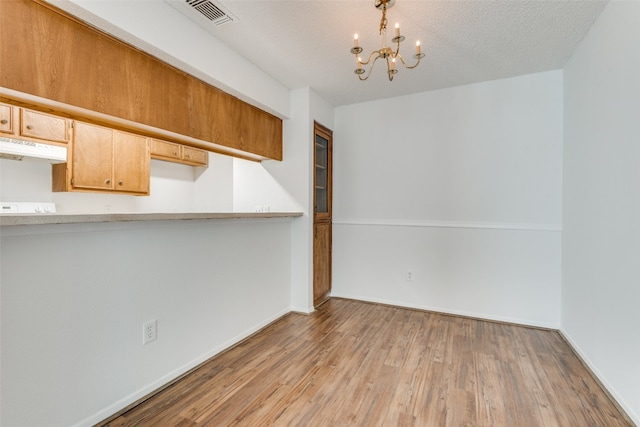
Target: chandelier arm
<point>396,54</point>
<point>371,56</point>
<point>409,67</point>
<point>372,64</point>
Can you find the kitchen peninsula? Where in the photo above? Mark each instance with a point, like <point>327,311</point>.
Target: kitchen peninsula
<point>40,219</point>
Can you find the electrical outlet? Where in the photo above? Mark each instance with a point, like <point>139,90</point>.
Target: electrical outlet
<point>149,331</point>
<point>409,275</point>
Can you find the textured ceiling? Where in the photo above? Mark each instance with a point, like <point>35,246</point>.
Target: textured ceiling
<point>305,43</point>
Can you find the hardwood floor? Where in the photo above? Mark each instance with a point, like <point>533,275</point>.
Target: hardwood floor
<point>357,364</point>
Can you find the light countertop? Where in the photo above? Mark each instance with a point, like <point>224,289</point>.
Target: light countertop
<point>61,218</point>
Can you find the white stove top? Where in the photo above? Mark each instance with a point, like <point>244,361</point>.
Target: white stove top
<point>27,207</point>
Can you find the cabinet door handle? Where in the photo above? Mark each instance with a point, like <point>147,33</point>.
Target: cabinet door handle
<point>4,121</point>
<point>30,127</point>
<point>120,182</point>
<point>108,181</point>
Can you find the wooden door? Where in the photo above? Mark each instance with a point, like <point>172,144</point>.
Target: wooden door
<point>195,156</point>
<point>131,163</point>
<point>7,119</point>
<point>164,150</point>
<point>92,164</point>
<point>43,126</point>
<point>321,262</point>
<point>322,184</point>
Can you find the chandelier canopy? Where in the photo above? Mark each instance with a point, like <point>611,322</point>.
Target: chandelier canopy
<point>387,53</point>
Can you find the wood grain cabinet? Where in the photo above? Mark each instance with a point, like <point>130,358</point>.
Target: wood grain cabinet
<point>7,119</point>
<point>194,156</point>
<point>34,125</point>
<point>164,150</point>
<point>172,152</point>
<point>45,127</point>
<point>104,160</point>
<point>141,89</point>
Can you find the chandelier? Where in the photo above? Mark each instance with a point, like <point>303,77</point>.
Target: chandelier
<point>387,53</point>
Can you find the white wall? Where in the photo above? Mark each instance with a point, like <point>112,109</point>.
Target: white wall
<point>601,204</point>
<point>318,110</point>
<point>174,188</point>
<point>463,187</point>
<point>254,186</point>
<point>288,185</point>
<point>296,173</point>
<point>28,180</point>
<point>72,350</point>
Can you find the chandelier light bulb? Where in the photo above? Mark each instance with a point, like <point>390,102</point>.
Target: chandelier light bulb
<point>397,29</point>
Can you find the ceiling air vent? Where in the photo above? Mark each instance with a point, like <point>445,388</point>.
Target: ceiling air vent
<point>207,13</point>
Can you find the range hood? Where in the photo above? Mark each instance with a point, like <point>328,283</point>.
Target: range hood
<point>17,149</point>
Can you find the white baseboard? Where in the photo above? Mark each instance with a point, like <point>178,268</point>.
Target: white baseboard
<point>619,400</point>
<point>302,310</point>
<point>168,378</point>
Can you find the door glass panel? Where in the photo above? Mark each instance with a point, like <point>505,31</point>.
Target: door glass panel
<point>322,155</point>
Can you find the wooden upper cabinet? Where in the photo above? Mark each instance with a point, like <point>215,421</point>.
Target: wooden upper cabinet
<point>34,125</point>
<point>172,152</point>
<point>194,156</point>
<point>131,163</point>
<point>92,159</point>
<point>7,119</point>
<point>96,72</point>
<point>104,159</point>
<point>37,125</point>
<point>164,150</point>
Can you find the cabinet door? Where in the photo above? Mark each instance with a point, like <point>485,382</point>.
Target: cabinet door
<point>195,156</point>
<point>131,163</point>
<point>321,262</point>
<point>46,127</point>
<point>92,160</point>
<point>164,149</point>
<point>7,119</point>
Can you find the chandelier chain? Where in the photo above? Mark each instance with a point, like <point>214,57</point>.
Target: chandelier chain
<point>383,21</point>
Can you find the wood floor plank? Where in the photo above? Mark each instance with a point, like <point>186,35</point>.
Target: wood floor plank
<point>358,364</point>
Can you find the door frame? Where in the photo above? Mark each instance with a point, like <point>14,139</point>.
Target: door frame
<point>322,220</point>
